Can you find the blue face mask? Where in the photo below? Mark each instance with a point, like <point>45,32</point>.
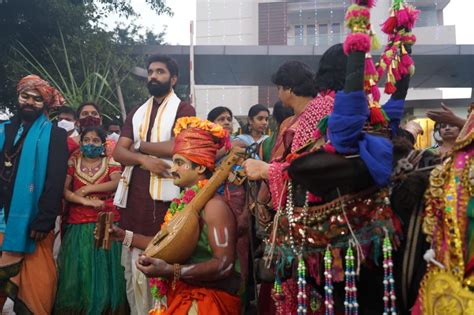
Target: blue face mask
<point>92,151</point>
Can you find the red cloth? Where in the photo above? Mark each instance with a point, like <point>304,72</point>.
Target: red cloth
<point>81,214</point>
<point>209,301</point>
<point>143,215</point>
<point>197,145</point>
<point>51,96</point>
<point>72,145</point>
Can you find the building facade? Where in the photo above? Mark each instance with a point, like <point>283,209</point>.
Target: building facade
<point>294,23</point>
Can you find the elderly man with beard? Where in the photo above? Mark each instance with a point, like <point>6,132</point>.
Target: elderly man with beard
<point>33,162</point>
<point>145,148</point>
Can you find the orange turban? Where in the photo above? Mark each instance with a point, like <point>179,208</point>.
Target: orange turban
<point>51,96</point>
<point>198,140</point>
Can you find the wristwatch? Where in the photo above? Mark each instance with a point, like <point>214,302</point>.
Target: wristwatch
<point>137,145</point>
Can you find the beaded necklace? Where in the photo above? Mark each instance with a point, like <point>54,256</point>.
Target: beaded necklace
<point>351,307</point>
<point>389,298</point>
<point>302,296</point>
<point>328,287</point>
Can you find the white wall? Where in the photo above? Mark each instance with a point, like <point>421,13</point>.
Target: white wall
<point>227,22</point>
<point>238,98</point>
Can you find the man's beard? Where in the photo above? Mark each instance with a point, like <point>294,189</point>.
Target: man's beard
<point>157,88</point>
<point>29,115</point>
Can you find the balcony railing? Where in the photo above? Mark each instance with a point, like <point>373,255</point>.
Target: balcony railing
<point>325,40</point>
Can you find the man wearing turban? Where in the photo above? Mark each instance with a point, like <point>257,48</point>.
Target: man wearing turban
<point>33,162</point>
<point>207,283</point>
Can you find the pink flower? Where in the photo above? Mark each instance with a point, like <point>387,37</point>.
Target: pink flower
<point>162,287</point>
<point>188,196</point>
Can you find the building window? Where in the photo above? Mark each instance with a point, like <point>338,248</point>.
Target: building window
<point>299,35</point>
<point>311,34</point>
<point>335,28</point>
<point>323,29</point>
<point>323,35</point>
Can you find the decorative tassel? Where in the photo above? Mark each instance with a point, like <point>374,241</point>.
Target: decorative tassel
<point>369,66</point>
<point>328,287</point>
<point>357,18</point>
<point>402,69</point>
<point>376,116</point>
<point>395,72</point>
<point>357,42</point>
<point>407,60</point>
<point>388,27</point>
<point>403,17</point>
<point>381,69</point>
<point>390,88</point>
<point>407,16</point>
<point>408,39</point>
<point>351,307</point>
<point>278,296</point>
<point>374,90</point>
<point>302,298</point>
<point>389,297</point>
<point>375,44</point>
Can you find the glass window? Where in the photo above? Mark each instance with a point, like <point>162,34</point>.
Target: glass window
<point>335,28</point>
<point>311,34</point>
<point>323,35</point>
<point>323,29</point>
<point>299,34</point>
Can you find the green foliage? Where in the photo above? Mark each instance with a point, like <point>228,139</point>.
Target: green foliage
<point>65,42</point>
<point>92,84</point>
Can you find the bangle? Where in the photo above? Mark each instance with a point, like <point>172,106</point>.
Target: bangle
<point>176,274</point>
<point>127,240</point>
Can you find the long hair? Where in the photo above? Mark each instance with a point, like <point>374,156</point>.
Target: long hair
<point>331,73</point>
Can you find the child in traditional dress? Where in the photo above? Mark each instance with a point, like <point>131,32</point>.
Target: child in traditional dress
<point>91,279</point>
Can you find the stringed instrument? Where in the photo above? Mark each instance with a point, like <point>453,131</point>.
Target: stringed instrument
<point>176,241</point>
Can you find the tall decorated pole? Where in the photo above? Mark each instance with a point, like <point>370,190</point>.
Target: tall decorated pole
<point>363,39</point>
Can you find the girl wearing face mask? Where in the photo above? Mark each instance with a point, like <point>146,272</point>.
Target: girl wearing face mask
<point>91,279</point>
<point>88,115</point>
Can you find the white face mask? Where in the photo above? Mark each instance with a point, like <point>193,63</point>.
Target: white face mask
<point>113,136</point>
<point>66,125</point>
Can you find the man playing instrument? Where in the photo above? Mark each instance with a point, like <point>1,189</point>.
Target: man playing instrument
<point>33,160</point>
<point>145,148</point>
<point>208,282</point>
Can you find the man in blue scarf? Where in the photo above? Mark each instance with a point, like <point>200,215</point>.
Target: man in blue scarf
<point>33,162</point>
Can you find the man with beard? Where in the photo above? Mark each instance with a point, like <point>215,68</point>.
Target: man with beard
<point>33,162</point>
<point>145,148</point>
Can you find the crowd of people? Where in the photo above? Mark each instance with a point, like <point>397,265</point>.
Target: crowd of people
<point>339,213</point>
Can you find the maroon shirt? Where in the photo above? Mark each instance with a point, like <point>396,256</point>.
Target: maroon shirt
<point>144,215</point>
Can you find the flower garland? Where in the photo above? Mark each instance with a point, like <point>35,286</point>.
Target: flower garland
<point>195,122</point>
<point>159,286</point>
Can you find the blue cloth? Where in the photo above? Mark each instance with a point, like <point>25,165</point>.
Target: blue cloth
<point>345,131</point>
<point>394,110</point>
<point>29,184</point>
<point>19,133</point>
